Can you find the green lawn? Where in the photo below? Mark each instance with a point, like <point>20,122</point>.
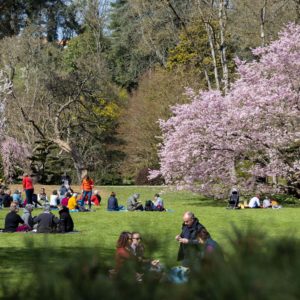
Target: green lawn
<point>21,254</point>
<point>99,230</point>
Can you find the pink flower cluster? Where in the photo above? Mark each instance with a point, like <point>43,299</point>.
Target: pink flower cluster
<point>14,157</point>
<point>251,130</point>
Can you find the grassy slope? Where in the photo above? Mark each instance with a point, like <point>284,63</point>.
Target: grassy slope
<point>100,230</point>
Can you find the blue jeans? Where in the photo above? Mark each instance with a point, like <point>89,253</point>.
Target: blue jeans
<point>29,194</point>
<point>84,194</point>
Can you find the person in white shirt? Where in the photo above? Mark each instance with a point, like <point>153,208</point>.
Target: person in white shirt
<point>158,202</point>
<point>254,202</point>
<point>267,203</point>
<point>42,196</point>
<point>54,199</point>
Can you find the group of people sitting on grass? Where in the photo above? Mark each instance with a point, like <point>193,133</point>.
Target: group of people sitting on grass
<point>195,244</point>
<point>254,202</point>
<point>69,199</point>
<point>64,195</point>
<point>133,203</point>
<point>45,222</point>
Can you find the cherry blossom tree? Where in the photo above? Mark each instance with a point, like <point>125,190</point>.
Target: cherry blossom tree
<point>14,154</point>
<point>253,130</point>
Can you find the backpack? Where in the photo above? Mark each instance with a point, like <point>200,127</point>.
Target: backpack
<point>148,205</point>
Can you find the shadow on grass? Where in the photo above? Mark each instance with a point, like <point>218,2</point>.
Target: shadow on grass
<point>205,202</point>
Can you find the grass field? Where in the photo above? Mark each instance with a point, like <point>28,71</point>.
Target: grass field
<point>99,230</point>
<point>24,255</point>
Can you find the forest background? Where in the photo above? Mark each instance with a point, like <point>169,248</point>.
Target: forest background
<point>89,80</point>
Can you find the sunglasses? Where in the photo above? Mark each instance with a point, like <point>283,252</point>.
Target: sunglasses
<point>136,238</point>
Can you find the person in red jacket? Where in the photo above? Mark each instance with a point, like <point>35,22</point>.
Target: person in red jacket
<point>123,251</point>
<point>87,188</point>
<point>28,187</point>
<point>96,198</point>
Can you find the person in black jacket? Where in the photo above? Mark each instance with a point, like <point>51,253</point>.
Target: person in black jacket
<point>7,199</point>
<point>188,238</point>
<point>46,221</point>
<point>66,223</point>
<point>12,219</point>
<point>112,203</point>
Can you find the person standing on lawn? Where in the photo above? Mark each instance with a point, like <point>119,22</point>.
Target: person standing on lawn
<point>188,238</point>
<point>87,186</point>
<point>28,187</point>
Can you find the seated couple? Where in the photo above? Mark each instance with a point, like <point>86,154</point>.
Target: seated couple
<point>156,205</point>
<point>130,252</point>
<point>45,222</point>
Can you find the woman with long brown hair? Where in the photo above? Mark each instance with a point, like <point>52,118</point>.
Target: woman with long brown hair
<point>123,251</point>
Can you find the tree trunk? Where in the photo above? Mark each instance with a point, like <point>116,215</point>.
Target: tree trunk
<point>210,36</point>
<point>233,176</point>
<point>297,2</point>
<point>79,163</point>
<point>207,79</point>
<point>223,22</point>
<point>262,23</point>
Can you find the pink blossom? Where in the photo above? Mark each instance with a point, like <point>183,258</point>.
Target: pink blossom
<point>206,141</point>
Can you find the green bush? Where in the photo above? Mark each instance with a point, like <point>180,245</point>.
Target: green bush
<point>286,199</point>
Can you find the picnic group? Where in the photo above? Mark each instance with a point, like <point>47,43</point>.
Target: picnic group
<point>254,202</point>
<point>65,200</point>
